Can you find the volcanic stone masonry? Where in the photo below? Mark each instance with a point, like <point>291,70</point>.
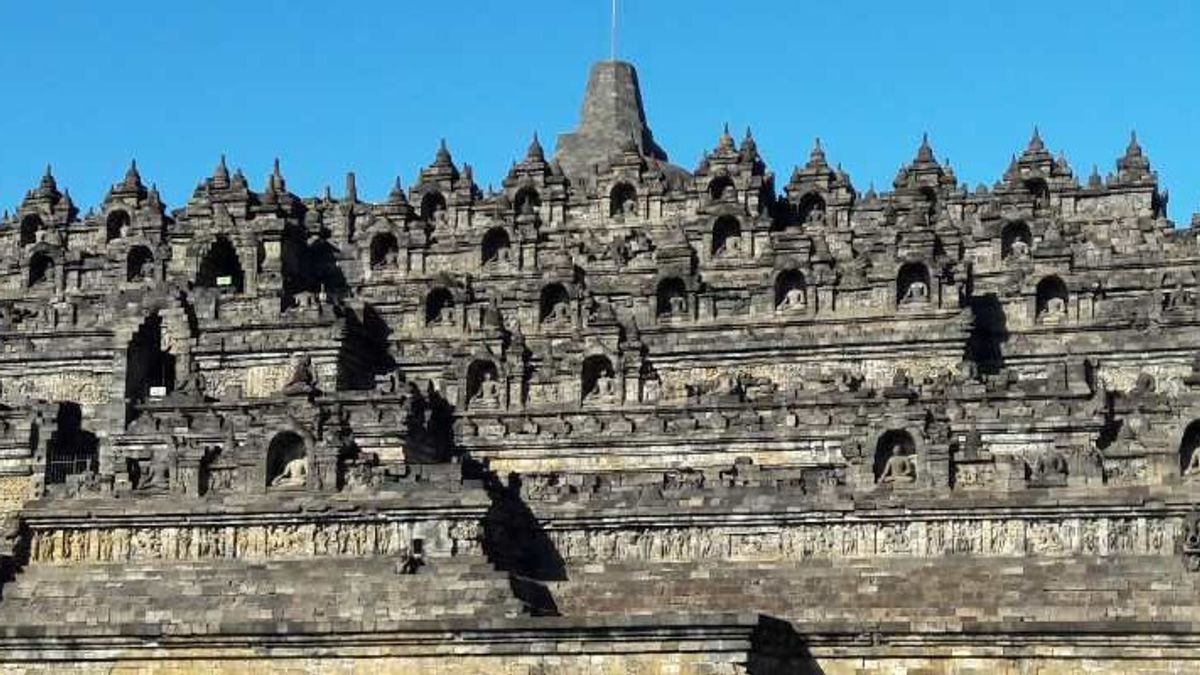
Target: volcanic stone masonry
<point>615,417</point>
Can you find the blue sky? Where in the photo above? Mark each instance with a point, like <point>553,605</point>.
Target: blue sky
<point>371,86</point>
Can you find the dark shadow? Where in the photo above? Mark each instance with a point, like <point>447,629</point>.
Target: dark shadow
<point>71,451</point>
<point>988,334</point>
<point>431,428</point>
<point>514,539</point>
<point>364,355</point>
<point>777,649</point>
<point>221,268</point>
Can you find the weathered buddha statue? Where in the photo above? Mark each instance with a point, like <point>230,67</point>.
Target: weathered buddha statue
<point>294,474</point>
<point>794,299</point>
<point>731,247</point>
<point>678,305</point>
<point>1193,465</point>
<point>502,256</point>
<point>1019,250</point>
<point>489,392</point>
<point>1050,466</point>
<point>605,389</point>
<point>899,468</point>
<point>917,292</point>
<point>559,313</point>
<point>1054,312</point>
<point>157,472</point>
<point>302,380</point>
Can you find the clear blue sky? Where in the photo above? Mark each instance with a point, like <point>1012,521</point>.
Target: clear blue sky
<point>372,86</point>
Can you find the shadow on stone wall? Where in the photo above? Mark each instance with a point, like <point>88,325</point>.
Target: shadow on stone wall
<point>777,649</point>
<point>515,542</point>
<point>988,334</point>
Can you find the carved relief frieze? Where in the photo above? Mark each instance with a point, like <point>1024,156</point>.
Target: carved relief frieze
<point>277,540</point>
<point>980,537</point>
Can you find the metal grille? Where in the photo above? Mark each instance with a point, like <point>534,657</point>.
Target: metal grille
<point>63,463</point>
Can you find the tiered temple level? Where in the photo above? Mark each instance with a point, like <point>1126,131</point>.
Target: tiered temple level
<point>609,378</point>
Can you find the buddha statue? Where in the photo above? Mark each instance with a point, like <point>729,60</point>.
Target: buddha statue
<point>793,299</point>
<point>294,474</point>
<point>1193,465</point>
<point>605,388</point>
<point>732,246</point>
<point>898,469</point>
<point>302,380</point>
<point>489,391</point>
<point>1055,310</point>
<point>917,292</point>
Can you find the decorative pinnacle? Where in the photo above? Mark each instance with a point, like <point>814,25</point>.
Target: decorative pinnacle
<point>443,157</point>
<point>925,152</point>
<point>1134,148</point>
<point>221,173</point>
<point>133,179</point>
<point>1035,141</point>
<point>535,151</point>
<point>397,194</point>
<point>726,142</point>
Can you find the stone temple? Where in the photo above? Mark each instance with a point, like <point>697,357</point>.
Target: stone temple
<point>615,417</point>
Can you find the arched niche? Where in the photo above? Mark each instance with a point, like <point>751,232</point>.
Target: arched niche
<point>30,226</point>
<point>117,224</point>
<point>41,270</point>
<point>671,298</point>
<point>554,305</point>
<point>811,208</point>
<point>496,246</point>
<point>895,458</point>
<point>527,201</point>
<point>1039,190</point>
<point>71,450</point>
<point>433,206</point>
<point>139,264</point>
<point>217,471</point>
<point>1189,451</point>
<point>598,379</point>
<point>622,201</point>
<point>791,291</point>
<point>287,461</point>
<point>722,188</point>
<point>930,198</point>
<point>439,307</point>
<point>483,384</point>
<point>385,250</point>
<point>1051,299</point>
<point>221,268</point>
<point>1015,240</point>
<point>727,237</point>
<point>147,364</point>
<point>912,284</point>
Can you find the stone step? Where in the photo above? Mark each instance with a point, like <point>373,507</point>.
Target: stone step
<point>215,593</point>
<point>887,589</point>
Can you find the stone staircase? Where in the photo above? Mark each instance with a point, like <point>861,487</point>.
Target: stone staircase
<point>238,596</point>
<point>941,594</point>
